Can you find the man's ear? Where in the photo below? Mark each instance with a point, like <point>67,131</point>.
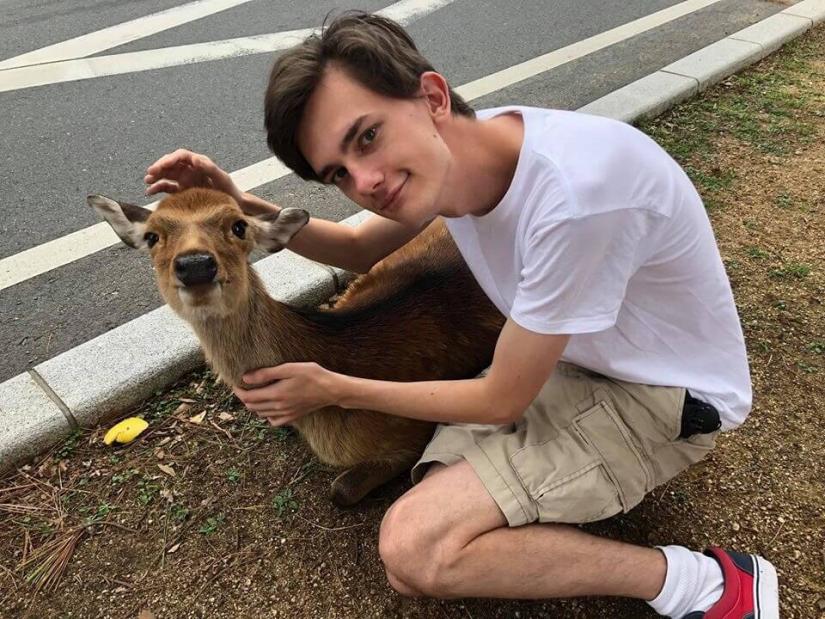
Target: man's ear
<point>127,220</point>
<point>436,93</point>
<point>274,230</point>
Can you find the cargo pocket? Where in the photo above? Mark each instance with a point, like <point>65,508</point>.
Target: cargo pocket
<point>623,461</point>
<point>591,470</point>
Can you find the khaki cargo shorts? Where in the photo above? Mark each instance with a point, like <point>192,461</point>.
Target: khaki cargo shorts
<point>587,448</point>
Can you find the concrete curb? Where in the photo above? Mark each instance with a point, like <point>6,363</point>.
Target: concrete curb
<point>115,371</point>
<point>659,91</point>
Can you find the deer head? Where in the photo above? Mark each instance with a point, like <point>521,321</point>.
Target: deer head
<point>199,241</point>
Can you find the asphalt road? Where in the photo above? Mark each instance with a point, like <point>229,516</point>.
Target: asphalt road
<point>64,140</point>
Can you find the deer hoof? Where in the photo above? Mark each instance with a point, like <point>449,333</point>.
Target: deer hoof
<point>346,490</point>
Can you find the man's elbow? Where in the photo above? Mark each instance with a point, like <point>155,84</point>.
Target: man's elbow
<point>361,260</point>
<point>504,414</point>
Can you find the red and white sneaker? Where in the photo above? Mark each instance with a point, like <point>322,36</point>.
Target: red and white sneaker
<point>751,589</point>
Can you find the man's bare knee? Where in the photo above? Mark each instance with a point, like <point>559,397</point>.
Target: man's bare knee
<point>423,533</point>
<point>402,587</point>
<point>399,539</point>
<point>416,547</point>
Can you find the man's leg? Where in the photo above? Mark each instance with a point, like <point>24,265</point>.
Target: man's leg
<point>447,538</point>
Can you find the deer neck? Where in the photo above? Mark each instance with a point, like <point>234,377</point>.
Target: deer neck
<point>262,332</point>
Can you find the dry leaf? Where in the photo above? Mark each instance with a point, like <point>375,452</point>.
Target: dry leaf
<point>173,549</point>
<point>160,454</point>
<point>198,419</point>
<point>164,440</point>
<point>168,470</point>
<point>181,410</point>
<point>226,417</point>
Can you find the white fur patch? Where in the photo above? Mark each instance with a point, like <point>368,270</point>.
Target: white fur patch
<point>129,232</point>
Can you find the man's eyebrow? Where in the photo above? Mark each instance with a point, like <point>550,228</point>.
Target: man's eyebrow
<point>348,136</point>
<point>351,133</point>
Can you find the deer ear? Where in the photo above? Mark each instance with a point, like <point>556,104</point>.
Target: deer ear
<point>276,229</point>
<point>127,220</point>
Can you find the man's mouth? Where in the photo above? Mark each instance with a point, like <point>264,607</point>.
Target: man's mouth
<point>392,201</point>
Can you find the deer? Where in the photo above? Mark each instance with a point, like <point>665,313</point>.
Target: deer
<point>418,314</point>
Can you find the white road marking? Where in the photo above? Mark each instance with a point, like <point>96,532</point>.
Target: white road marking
<point>80,68</point>
<point>132,62</point>
<point>58,252</point>
<point>540,64</point>
<point>121,34</point>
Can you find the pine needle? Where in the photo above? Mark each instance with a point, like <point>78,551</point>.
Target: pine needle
<point>47,564</point>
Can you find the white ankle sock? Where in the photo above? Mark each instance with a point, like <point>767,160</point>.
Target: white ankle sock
<point>693,582</point>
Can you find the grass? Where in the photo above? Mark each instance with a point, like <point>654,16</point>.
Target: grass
<point>756,253</point>
<point>816,348</point>
<point>795,270</point>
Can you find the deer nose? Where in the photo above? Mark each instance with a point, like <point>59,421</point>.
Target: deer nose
<point>193,269</point>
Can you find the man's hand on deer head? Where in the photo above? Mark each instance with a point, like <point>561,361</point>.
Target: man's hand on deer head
<point>183,169</point>
<point>295,390</point>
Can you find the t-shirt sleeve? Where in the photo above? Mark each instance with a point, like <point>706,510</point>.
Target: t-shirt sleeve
<point>576,271</point>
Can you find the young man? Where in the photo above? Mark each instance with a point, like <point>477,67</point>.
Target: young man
<point>621,352</point>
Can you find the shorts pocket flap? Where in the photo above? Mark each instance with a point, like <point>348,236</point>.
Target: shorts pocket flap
<point>607,433</point>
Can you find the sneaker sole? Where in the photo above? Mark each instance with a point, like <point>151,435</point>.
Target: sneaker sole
<point>765,590</point>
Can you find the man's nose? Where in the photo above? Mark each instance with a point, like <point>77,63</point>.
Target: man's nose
<point>367,179</point>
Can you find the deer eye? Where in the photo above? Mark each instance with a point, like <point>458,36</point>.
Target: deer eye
<point>239,228</point>
<point>151,238</point>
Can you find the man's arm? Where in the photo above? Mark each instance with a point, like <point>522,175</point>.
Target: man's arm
<point>355,249</point>
<point>522,363</point>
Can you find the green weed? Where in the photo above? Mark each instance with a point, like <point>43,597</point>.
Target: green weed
<point>284,502</point>
<point>212,524</point>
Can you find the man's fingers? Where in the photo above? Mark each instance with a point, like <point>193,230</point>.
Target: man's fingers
<point>171,160</point>
<point>279,420</point>
<point>164,162</point>
<point>266,375</point>
<point>204,163</point>
<point>252,397</point>
<point>164,185</point>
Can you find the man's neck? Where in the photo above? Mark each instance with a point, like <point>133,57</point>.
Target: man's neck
<point>486,153</point>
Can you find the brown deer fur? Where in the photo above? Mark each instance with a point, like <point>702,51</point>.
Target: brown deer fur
<point>417,315</point>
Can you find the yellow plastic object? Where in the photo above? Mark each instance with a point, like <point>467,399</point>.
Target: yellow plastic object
<point>126,431</point>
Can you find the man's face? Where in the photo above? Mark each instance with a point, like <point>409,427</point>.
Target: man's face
<point>386,155</point>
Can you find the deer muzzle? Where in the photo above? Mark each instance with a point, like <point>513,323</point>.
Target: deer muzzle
<point>195,269</point>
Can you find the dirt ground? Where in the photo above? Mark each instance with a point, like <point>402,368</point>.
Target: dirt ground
<point>213,514</point>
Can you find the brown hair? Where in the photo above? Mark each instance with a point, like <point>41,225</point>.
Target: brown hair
<point>373,50</point>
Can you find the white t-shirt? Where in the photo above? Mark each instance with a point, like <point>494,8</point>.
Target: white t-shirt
<point>602,235</point>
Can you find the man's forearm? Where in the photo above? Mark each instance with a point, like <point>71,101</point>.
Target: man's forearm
<point>453,401</point>
<point>320,240</point>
